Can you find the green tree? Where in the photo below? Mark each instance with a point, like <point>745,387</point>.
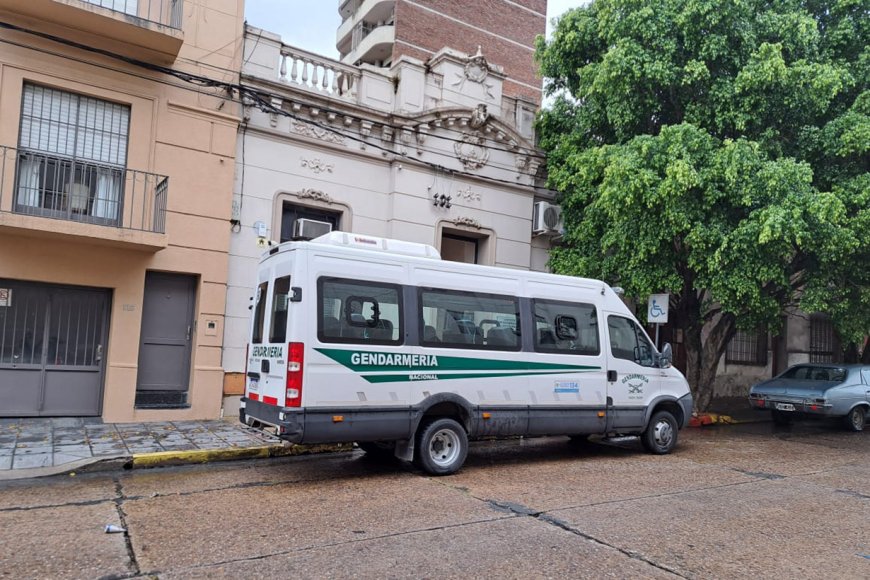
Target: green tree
<point>716,150</point>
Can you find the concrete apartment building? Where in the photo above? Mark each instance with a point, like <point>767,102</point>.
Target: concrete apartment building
<point>115,197</point>
<point>438,151</point>
<point>379,32</point>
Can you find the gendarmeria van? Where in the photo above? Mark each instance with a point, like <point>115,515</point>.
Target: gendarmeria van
<point>377,341</point>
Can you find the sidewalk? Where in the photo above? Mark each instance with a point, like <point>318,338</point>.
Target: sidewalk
<point>34,447</point>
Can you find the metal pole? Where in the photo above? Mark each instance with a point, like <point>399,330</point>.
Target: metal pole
<point>657,335</point>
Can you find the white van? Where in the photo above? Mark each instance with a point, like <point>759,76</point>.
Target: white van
<point>377,341</point>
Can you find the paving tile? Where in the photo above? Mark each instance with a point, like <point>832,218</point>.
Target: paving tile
<point>66,422</point>
<point>33,450</point>
<point>75,450</point>
<point>61,458</point>
<point>31,461</point>
<point>5,462</point>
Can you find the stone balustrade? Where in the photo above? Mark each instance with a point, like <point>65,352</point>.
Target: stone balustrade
<point>317,73</point>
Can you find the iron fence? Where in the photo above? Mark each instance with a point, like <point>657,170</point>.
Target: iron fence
<point>52,186</point>
<point>167,12</point>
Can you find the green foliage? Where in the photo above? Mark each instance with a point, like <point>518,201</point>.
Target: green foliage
<point>718,150</point>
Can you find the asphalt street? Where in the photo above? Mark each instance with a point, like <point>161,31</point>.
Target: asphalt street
<point>731,502</point>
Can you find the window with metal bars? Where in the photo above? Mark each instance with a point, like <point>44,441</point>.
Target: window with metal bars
<point>747,348</point>
<point>72,156</point>
<point>824,345</point>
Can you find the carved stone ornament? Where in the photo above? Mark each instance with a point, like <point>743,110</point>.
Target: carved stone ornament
<point>476,70</point>
<point>314,194</point>
<point>467,221</point>
<point>468,194</point>
<point>317,165</point>
<point>478,117</point>
<point>472,151</point>
<point>316,132</point>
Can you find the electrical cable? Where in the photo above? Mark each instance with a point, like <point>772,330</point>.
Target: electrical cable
<point>230,88</point>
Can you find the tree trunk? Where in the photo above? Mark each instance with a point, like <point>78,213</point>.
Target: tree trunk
<point>703,356</point>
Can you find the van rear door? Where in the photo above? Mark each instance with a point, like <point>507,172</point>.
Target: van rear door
<point>267,352</point>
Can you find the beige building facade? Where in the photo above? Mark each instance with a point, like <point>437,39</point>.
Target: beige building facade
<point>115,198</point>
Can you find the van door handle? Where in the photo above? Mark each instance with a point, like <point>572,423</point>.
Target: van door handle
<point>611,376</point>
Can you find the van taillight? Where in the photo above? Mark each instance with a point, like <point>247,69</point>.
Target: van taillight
<point>295,360</point>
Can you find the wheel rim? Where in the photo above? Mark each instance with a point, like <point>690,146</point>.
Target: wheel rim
<point>857,419</point>
<point>663,434</point>
<point>444,447</point>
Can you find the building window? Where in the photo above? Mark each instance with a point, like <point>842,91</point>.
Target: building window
<point>460,249</point>
<point>291,227</point>
<point>747,348</point>
<point>824,344</point>
<point>72,156</point>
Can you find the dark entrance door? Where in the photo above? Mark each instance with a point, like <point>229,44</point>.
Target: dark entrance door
<point>164,347</point>
<point>51,349</point>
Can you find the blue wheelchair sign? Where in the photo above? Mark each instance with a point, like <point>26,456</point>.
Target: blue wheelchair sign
<point>657,310</point>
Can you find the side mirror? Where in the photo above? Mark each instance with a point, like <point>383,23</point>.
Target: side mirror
<point>666,356</point>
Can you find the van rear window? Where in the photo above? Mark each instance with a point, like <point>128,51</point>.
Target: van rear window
<point>259,312</point>
<point>280,308</point>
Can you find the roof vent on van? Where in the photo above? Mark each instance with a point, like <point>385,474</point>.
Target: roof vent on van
<point>306,229</point>
<point>376,244</point>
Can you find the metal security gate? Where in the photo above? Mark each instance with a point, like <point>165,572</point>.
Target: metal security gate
<point>51,349</point>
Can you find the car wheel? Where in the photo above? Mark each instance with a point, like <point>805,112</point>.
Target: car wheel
<point>855,419</point>
<point>442,446</point>
<point>377,449</point>
<point>781,418</point>
<point>660,436</point>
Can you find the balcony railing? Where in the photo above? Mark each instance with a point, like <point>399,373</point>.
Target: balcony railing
<point>317,73</point>
<point>166,12</point>
<point>51,186</point>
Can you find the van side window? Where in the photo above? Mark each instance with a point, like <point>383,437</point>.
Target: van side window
<point>259,312</point>
<point>280,304</point>
<point>453,319</point>
<point>627,341</point>
<point>566,328</point>
<point>359,312</point>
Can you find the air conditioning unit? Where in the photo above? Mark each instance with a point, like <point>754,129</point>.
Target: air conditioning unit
<point>547,218</point>
<point>305,229</point>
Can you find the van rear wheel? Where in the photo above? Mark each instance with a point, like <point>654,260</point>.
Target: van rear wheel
<point>660,436</point>
<point>442,446</point>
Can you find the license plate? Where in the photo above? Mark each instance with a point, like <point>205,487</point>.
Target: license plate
<point>784,407</point>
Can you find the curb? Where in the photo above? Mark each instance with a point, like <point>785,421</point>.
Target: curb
<point>171,458</point>
<point>198,456</point>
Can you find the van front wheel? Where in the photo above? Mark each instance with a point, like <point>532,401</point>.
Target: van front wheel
<point>442,446</point>
<point>660,436</point>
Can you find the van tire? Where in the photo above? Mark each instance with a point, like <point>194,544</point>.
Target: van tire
<point>660,436</point>
<point>442,446</point>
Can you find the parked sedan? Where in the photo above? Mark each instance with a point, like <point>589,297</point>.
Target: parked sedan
<point>816,390</point>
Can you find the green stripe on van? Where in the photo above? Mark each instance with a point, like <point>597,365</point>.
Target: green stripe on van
<point>429,376</point>
<point>398,362</point>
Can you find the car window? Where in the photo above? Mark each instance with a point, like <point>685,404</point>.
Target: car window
<point>815,373</point>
